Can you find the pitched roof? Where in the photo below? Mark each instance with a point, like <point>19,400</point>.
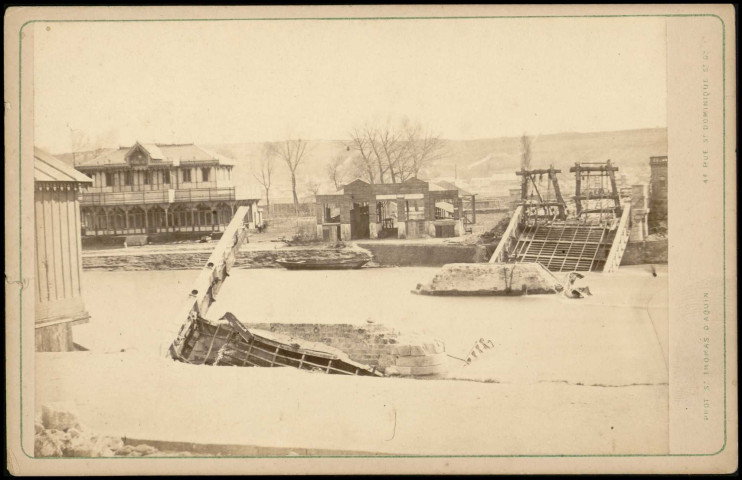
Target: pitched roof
<point>109,157</point>
<point>50,169</point>
<point>414,180</point>
<point>359,182</point>
<point>168,153</point>
<point>153,150</point>
<point>450,186</point>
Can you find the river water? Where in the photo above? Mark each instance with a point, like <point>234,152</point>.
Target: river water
<point>617,336</point>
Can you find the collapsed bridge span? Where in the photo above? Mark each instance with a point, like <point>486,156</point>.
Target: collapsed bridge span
<point>541,230</point>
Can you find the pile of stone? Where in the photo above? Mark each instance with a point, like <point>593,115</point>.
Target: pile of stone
<point>417,358</point>
<point>60,434</point>
<point>491,279</point>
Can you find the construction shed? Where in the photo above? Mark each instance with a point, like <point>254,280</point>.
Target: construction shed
<point>59,298</point>
<point>411,209</point>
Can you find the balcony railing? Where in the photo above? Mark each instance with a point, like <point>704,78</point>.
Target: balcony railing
<point>159,196</point>
<point>204,194</point>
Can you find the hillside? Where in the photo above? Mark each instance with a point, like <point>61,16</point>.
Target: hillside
<point>465,159</point>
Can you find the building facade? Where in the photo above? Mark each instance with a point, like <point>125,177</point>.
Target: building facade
<point>156,188</point>
<point>58,260</point>
<point>412,209</point>
<point>639,199</point>
<point>658,193</point>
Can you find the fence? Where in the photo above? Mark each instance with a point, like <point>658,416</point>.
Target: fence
<point>304,227</point>
<point>287,210</point>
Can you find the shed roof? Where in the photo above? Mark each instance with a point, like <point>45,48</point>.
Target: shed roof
<point>50,169</point>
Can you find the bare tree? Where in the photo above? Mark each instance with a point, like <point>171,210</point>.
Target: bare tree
<point>313,186</point>
<point>401,152</point>
<point>335,170</point>
<point>291,151</point>
<point>263,172</point>
<point>381,151</point>
<point>394,151</point>
<point>525,159</point>
<point>364,161</point>
<point>422,148</point>
<point>373,137</point>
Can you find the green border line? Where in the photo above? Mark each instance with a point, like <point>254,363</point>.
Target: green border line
<point>724,249</point>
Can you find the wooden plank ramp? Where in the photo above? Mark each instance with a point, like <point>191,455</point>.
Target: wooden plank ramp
<point>206,287</point>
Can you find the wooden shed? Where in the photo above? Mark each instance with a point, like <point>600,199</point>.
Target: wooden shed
<point>59,299</point>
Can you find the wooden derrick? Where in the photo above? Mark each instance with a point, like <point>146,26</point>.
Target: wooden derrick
<point>587,201</point>
<point>533,205</point>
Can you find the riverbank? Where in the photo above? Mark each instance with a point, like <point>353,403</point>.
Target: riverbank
<point>263,252</point>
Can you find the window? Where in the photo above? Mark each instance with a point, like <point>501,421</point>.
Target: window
<point>444,208</point>
<point>127,178</point>
<point>332,213</point>
<point>205,174</point>
<point>147,178</point>
<point>166,176</point>
<point>109,179</point>
<point>187,175</point>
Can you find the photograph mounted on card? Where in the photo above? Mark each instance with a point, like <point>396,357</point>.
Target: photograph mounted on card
<point>390,239</point>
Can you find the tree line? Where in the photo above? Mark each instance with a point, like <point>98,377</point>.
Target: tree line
<point>380,154</point>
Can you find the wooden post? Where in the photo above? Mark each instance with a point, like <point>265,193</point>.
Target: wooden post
<point>557,193</point>
<point>474,209</point>
<point>578,179</point>
<point>614,190</point>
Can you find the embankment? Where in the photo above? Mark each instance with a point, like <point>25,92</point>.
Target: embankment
<point>197,259</point>
<point>384,254</point>
<point>118,241</point>
<point>422,255</point>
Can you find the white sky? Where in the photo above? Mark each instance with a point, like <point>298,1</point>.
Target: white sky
<point>225,82</point>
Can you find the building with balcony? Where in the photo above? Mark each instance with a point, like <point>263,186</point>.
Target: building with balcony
<point>156,188</point>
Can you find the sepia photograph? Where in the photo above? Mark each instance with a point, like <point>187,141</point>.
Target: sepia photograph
<point>224,215</point>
